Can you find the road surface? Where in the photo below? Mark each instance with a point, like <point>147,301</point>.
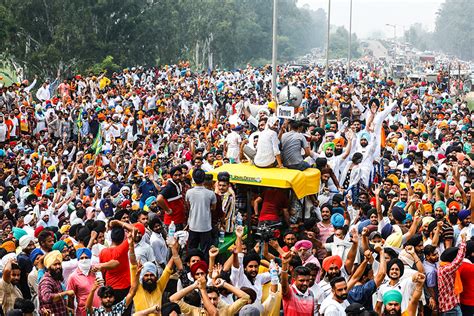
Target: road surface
<point>377,48</point>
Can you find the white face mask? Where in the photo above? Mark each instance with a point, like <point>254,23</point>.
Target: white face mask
<point>84,265</point>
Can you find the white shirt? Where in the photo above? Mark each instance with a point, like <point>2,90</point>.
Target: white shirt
<point>233,140</point>
<point>158,244</point>
<point>267,148</point>
<point>43,93</point>
<point>239,279</point>
<point>3,132</point>
<point>144,252</point>
<point>331,307</point>
<point>404,286</point>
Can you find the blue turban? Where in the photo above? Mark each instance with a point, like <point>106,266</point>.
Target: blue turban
<point>148,267</point>
<point>18,233</point>
<point>365,135</point>
<point>81,251</point>
<point>338,210</point>
<point>441,205</point>
<point>150,200</point>
<point>59,245</point>
<point>462,215</point>
<point>35,253</point>
<point>362,225</point>
<point>337,220</point>
<point>387,230</point>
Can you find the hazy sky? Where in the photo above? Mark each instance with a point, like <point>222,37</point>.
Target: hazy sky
<point>372,15</point>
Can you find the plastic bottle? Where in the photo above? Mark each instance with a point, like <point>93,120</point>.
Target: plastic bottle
<point>221,237</point>
<point>171,229</point>
<point>273,272</point>
<point>239,219</point>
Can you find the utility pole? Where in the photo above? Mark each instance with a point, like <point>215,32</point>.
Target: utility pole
<point>350,42</point>
<point>274,52</point>
<point>327,40</point>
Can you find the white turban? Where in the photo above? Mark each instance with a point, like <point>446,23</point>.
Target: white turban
<point>25,241</point>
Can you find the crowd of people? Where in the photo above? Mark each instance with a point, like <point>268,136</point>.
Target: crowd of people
<point>108,205</point>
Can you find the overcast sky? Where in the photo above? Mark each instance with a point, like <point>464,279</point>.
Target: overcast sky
<point>372,15</point>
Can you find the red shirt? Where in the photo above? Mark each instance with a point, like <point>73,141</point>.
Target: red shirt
<point>467,295</point>
<point>174,200</point>
<point>118,278</point>
<point>274,200</point>
<point>296,303</point>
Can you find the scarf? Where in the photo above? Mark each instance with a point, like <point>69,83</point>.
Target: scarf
<point>458,288</point>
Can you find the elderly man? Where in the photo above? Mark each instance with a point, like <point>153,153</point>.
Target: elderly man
<point>82,279</point>
<point>305,252</point>
<point>51,294</point>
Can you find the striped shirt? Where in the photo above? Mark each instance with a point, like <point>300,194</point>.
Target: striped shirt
<point>296,303</point>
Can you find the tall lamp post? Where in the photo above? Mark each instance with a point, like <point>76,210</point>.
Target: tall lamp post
<point>394,31</point>
<point>274,51</point>
<point>350,42</point>
<point>327,40</point>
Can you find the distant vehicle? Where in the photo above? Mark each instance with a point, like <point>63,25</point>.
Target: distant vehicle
<point>398,71</point>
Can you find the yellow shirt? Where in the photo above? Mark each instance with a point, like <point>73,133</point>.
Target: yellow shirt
<point>234,308</point>
<point>144,299</point>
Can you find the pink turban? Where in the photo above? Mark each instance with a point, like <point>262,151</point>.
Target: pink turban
<point>306,244</point>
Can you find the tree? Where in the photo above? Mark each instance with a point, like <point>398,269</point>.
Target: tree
<point>454,32</point>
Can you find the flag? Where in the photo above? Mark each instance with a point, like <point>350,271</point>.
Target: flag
<point>79,121</point>
<point>96,146</point>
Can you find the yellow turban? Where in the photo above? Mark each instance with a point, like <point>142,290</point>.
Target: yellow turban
<point>64,229</point>
<point>394,178</point>
<point>52,257</point>
<point>400,147</point>
<point>403,186</point>
<point>272,105</point>
<point>420,186</point>
<point>394,240</point>
<point>427,208</point>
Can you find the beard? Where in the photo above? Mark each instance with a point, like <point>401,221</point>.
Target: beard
<point>391,313</point>
<point>57,274</point>
<point>338,151</point>
<point>453,218</point>
<point>342,297</point>
<point>149,286</point>
<point>333,275</point>
<point>329,155</point>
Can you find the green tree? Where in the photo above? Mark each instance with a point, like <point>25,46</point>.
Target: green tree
<point>454,32</point>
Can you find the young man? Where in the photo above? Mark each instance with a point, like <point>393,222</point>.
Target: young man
<point>9,290</point>
<point>298,299</point>
<point>392,299</point>
<point>107,298</point>
<point>118,276</point>
<point>201,203</point>
<point>82,280</point>
<point>50,291</point>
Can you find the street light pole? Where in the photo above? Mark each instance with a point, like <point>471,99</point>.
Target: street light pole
<point>394,31</point>
<point>274,52</point>
<point>350,41</point>
<point>327,40</point>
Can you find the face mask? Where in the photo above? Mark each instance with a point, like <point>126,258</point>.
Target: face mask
<point>84,265</point>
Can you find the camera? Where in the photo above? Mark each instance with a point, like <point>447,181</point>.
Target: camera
<point>266,232</point>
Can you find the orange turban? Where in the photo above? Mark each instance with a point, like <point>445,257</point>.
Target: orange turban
<point>339,141</point>
<point>329,261</point>
<point>454,204</point>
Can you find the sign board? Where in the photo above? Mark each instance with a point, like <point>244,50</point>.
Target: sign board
<point>286,112</point>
